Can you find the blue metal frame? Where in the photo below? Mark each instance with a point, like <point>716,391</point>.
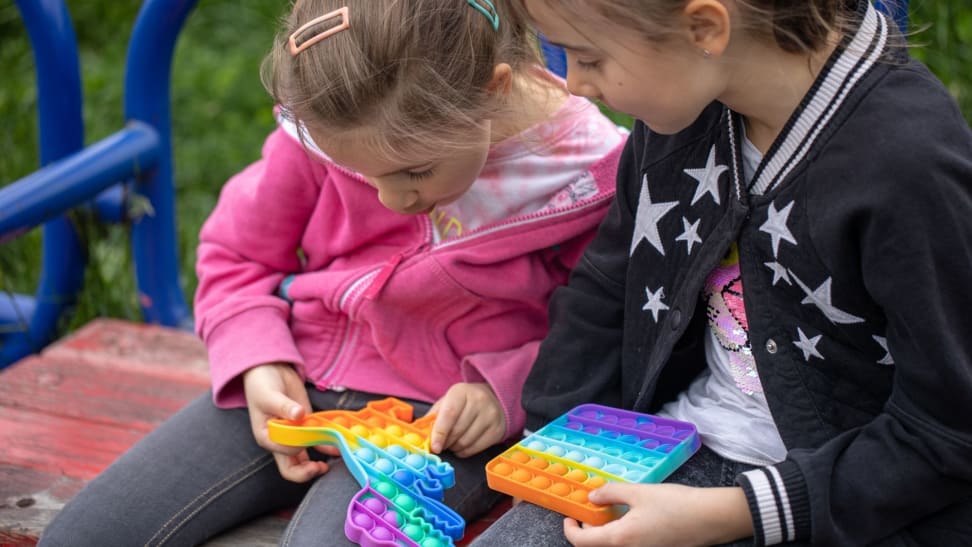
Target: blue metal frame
<point>61,133</point>
<point>139,155</point>
<point>897,9</point>
<point>147,76</point>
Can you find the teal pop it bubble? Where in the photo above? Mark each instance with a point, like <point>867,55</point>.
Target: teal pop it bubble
<point>558,466</point>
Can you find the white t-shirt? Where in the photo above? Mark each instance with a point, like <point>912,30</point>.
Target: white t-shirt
<point>726,401</point>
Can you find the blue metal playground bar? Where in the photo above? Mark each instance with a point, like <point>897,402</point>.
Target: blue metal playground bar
<point>139,157</point>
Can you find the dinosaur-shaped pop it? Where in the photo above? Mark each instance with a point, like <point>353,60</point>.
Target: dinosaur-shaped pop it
<point>402,482</point>
<point>557,466</point>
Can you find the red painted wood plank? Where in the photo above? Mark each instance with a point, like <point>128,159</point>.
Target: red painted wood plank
<point>135,346</point>
<point>60,445</point>
<point>97,394</point>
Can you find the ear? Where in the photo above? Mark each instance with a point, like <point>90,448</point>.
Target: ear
<point>502,80</point>
<point>708,25</point>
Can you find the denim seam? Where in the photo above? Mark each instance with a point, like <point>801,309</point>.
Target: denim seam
<point>298,515</point>
<point>222,487</point>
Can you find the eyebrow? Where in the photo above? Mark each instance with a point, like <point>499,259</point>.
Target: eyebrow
<point>579,49</point>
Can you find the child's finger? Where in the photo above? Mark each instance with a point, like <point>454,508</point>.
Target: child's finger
<point>474,438</point>
<point>465,427</point>
<point>299,468</point>
<point>571,530</point>
<point>279,405</point>
<point>584,536</point>
<point>445,421</point>
<point>611,493</point>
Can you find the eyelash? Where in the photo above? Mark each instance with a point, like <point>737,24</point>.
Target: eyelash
<point>587,65</point>
<point>421,174</point>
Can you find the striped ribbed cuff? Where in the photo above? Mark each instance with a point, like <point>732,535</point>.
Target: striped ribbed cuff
<point>778,500</point>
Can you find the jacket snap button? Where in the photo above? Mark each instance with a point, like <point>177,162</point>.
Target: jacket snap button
<point>771,346</point>
<point>676,318</point>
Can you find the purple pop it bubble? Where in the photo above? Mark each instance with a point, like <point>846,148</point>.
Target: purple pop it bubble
<point>375,505</point>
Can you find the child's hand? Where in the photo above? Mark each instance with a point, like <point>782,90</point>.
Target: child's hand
<point>470,419</point>
<point>666,514</point>
<point>275,390</point>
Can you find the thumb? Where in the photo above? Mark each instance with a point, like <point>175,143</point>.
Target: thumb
<point>279,405</point>
<point>612,493</point>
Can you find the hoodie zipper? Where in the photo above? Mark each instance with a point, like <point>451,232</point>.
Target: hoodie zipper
<point>376,280</point>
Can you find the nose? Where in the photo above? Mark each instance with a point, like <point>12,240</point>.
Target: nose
<point>398,200</point>
<point>578,85</point>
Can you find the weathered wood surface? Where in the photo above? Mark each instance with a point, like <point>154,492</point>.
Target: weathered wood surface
<point>67,413</point>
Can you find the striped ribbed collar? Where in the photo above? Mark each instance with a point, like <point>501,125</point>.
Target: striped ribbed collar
<point>853,59</point>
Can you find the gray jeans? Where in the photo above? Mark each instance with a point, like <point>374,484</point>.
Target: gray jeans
<point>201,473</point>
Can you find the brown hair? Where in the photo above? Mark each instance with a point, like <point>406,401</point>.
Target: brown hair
<point>796,26</point>
<point>415,72</point>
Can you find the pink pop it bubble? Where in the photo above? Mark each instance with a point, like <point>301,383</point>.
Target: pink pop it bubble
<point>558,466</point>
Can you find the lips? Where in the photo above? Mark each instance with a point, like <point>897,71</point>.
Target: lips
<point>424,211</point>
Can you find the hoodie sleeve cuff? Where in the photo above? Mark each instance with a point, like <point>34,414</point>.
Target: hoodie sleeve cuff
<point>505,372</point>
<point>779,502</point>
<point>255,337</point>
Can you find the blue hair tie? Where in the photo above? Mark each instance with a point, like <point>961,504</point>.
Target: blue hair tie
<point>487,8</point>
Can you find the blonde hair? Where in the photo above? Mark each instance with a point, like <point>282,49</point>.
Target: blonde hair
<point>414,72</point>
<point>796,26</point>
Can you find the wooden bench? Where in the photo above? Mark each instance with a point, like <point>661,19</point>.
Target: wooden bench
<point>68,412</point>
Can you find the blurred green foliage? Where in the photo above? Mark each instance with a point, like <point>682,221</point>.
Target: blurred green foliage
<point>941,36</point>
<point>221,115</point>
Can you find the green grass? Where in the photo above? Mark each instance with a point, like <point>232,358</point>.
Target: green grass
<point>221,115</point>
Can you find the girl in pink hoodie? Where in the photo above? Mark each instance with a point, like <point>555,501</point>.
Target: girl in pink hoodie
<point>428,187</point>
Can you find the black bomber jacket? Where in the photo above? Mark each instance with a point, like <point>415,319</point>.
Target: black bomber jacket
<point>855,244</point>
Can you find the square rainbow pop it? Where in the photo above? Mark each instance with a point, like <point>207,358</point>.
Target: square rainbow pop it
<point>557,466</point>
<point>400,503</point>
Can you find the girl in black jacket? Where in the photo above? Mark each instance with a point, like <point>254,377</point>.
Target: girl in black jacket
<point>787,264</point>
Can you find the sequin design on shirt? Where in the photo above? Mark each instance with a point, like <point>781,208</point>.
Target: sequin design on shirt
<point>727,319</point>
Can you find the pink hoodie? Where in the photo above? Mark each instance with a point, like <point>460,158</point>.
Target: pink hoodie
<point>300,263</point>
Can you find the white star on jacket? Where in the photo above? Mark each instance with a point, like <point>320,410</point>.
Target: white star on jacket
<point>821,298</point>
<point>691,234</point>
<point>654,303</point>
<point>808,345</point>
<point>883,342</point>
<point>646,219</point>
<point>779,272</point>
<point>775,226</point>
<point>707,177</point>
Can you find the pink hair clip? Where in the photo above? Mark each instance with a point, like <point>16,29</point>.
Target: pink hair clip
<point>341,13</point>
